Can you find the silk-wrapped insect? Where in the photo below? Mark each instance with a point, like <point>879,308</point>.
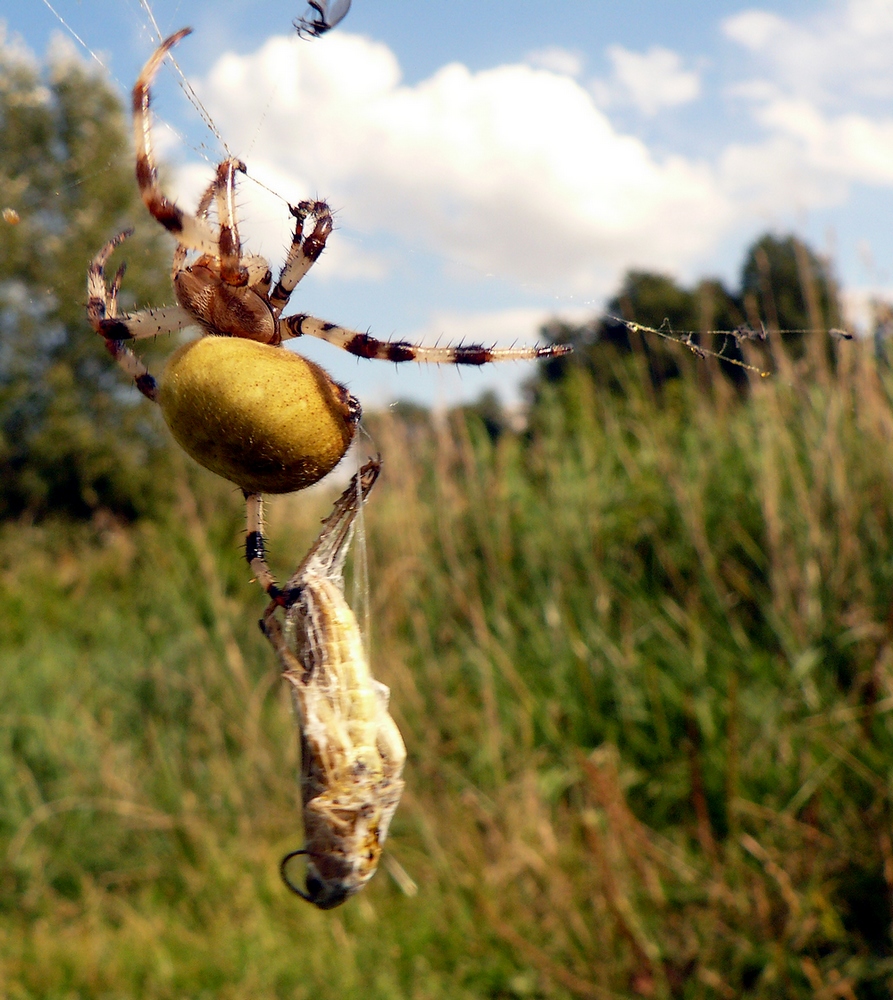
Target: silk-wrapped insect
<point>352,754</point>
<point>324,17</point>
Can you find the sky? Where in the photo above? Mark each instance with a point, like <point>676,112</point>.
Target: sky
<point>496,164</point>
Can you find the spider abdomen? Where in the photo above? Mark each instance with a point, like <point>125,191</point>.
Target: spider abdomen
<point>264,418</point>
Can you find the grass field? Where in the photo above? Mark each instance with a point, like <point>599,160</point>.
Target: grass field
<point>641,657</point>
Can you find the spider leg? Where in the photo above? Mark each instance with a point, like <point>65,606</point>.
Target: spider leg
<point>304,250</point>
<point>255,552</point>
<point>102,304</point>
<point>146,323</point>
<point>102,313</point>
<point>259,276</point>
<point>326,557</point>
<point>271,628</point>
<point>231,270</point>
<point>204,203</point>
<point>179,261</point>
<point>256,267</point>
<point>191,231</point>
<point>365,346</point>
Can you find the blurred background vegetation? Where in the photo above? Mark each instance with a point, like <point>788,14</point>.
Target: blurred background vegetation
<point>638,639</point>
<point>72,440</point>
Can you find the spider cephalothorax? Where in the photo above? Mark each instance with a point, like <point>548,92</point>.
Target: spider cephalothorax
<point>264,418</point>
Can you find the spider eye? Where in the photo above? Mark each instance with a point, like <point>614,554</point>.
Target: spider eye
<point>323,16</point>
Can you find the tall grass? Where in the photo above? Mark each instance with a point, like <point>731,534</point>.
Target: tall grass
<point>641,658</point>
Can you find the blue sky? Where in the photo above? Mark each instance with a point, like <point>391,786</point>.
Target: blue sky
<point>495,163</point>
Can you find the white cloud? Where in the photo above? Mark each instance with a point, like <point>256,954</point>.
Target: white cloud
<point>849,146</point>
<point>755,29</point>
<point>813,87</point>
<point>650,81</point>
<point>838,53</point>
<point>512,170</point>
<point>557,60</point>
<point>515,172</point>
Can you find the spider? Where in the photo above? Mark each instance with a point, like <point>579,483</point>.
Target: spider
<point>266,419</point>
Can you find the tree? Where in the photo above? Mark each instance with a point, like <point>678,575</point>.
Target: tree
<point>655,301</point>
<point>790,288</point>
<point>72,437</point>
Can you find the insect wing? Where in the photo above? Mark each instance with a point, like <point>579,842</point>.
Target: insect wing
<point>324,17</point>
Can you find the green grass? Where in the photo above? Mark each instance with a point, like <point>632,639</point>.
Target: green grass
<point>641,658</point>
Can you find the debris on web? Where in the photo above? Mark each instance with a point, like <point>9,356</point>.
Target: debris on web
<point>742,333</point>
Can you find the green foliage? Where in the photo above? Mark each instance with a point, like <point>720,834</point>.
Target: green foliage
<point>72,439</point>
<point>789,285</point>
<point>640,657</point>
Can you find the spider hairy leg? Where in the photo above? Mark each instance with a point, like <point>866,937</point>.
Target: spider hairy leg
<point>102,299</point>
<point>304,250</point>
<point>181,253</point>
<point>352,754</point>
<point>365,346</point>
<point>191,231</point>
<point>102,313</point>
<point>147,323</point>
<point>255,550</point>
<point>102,304</point>
<point>231,270</point>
